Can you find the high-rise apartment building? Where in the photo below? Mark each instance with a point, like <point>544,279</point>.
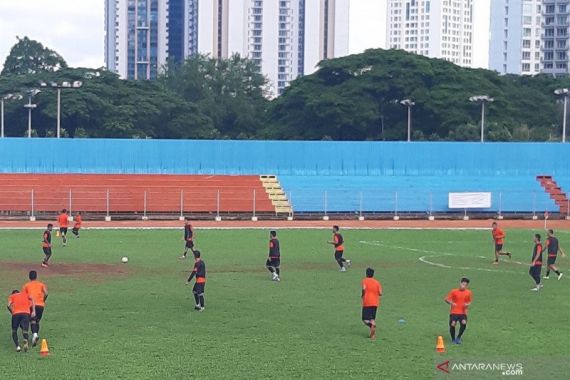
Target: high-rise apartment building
<point>285,38</point>
<point>515,43</point>
<point>136,41</point>
<point>555,36</point>
<point>433,28</point>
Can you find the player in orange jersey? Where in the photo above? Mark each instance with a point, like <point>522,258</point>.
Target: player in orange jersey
<point>460,300</point>
<point>371,293</point>
<point>63,221</point>
<point>499,239</point>
<point>22,307</point>
<point>37,290</point>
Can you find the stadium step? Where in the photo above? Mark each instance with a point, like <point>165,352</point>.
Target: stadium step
<point>555,192</point>
<point>276,194</point>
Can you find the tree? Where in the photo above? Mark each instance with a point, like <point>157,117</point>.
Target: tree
<point>350,98</point>
<point>31,57</point>
<point>231,92</point>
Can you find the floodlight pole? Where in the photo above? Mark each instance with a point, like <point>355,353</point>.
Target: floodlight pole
<point>564,118</point>
<point>59,86</point>
<point>482,121</point>
<point>58,112</point>
<point>564,92</point>
<point>483,99</point>
<point>409,103</point>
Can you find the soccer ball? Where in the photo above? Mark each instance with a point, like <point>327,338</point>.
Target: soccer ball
<point>125,259</point>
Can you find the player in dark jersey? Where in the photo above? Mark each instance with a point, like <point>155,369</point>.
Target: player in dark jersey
<point>188,238</point>
<point>338,243</point>
<point>46,245</point>
<point>274,260</point>
<point>553,247</point>
<point>536,263</point>
<point>199,272</point>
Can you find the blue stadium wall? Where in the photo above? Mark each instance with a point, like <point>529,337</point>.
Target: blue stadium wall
<point>43,155</point>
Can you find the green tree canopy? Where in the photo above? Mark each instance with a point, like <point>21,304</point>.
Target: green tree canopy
<point>31,57</point>
<point>357,97</point>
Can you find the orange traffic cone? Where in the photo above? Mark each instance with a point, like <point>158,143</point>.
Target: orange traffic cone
<point>44,351</point>
<point>440,347</point>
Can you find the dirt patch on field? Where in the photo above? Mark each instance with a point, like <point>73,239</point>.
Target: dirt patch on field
<point>85,271</point>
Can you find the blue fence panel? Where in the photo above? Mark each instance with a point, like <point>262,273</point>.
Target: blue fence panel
<point>43,155</point>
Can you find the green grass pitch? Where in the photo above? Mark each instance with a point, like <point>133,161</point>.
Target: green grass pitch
<point>105,319</point>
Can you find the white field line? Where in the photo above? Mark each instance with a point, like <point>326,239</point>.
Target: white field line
<point>433,254</point>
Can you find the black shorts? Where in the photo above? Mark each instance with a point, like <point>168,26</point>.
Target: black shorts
<point>63,230</point>
<point>273,262</point>
<point>189,244</point>
<point>199,288</point>
<point>551,260</point>
<point>21,320</point>
<point>457,318</point>
<point>338,255</point>
<point>498,247</point>
<point>535,270</point>
<point>47,250</point>
<point>39,314</point>
<point>369,313</point>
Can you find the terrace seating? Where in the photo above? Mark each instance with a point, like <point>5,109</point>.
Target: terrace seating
<point>164,193</point>
<point>411,193</point>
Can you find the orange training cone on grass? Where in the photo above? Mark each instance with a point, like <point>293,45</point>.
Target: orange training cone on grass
<point>440,347</point>
<point>44,351</point>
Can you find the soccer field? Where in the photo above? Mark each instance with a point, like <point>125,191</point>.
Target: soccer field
<point>105,319</point>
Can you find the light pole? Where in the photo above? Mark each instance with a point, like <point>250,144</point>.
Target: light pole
<point>409,103</point>
<point>483,99</point>
<point>31,93</point>
<point>2,99</point>
<point>60,86</point>
<point>563,92</point>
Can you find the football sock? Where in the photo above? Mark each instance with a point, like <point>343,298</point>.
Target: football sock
<point>461,330</point>
<point>26,336</point>
<point>35,327</point>
<point>340,263</point>
<point>277,271</point>
<point>547,272</point>
<point>270,269</point>
<point>15,337</point>
<point>557,272</point>
<point>452,332</point>
<point>197,298</point>
<point>202,301</point>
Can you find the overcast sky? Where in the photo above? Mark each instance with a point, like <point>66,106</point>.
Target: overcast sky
<point>75,28</point>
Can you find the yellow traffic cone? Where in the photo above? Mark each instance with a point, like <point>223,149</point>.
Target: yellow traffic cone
<point>44,351</point>
<point>440,347</point>
<point>57,233</point>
